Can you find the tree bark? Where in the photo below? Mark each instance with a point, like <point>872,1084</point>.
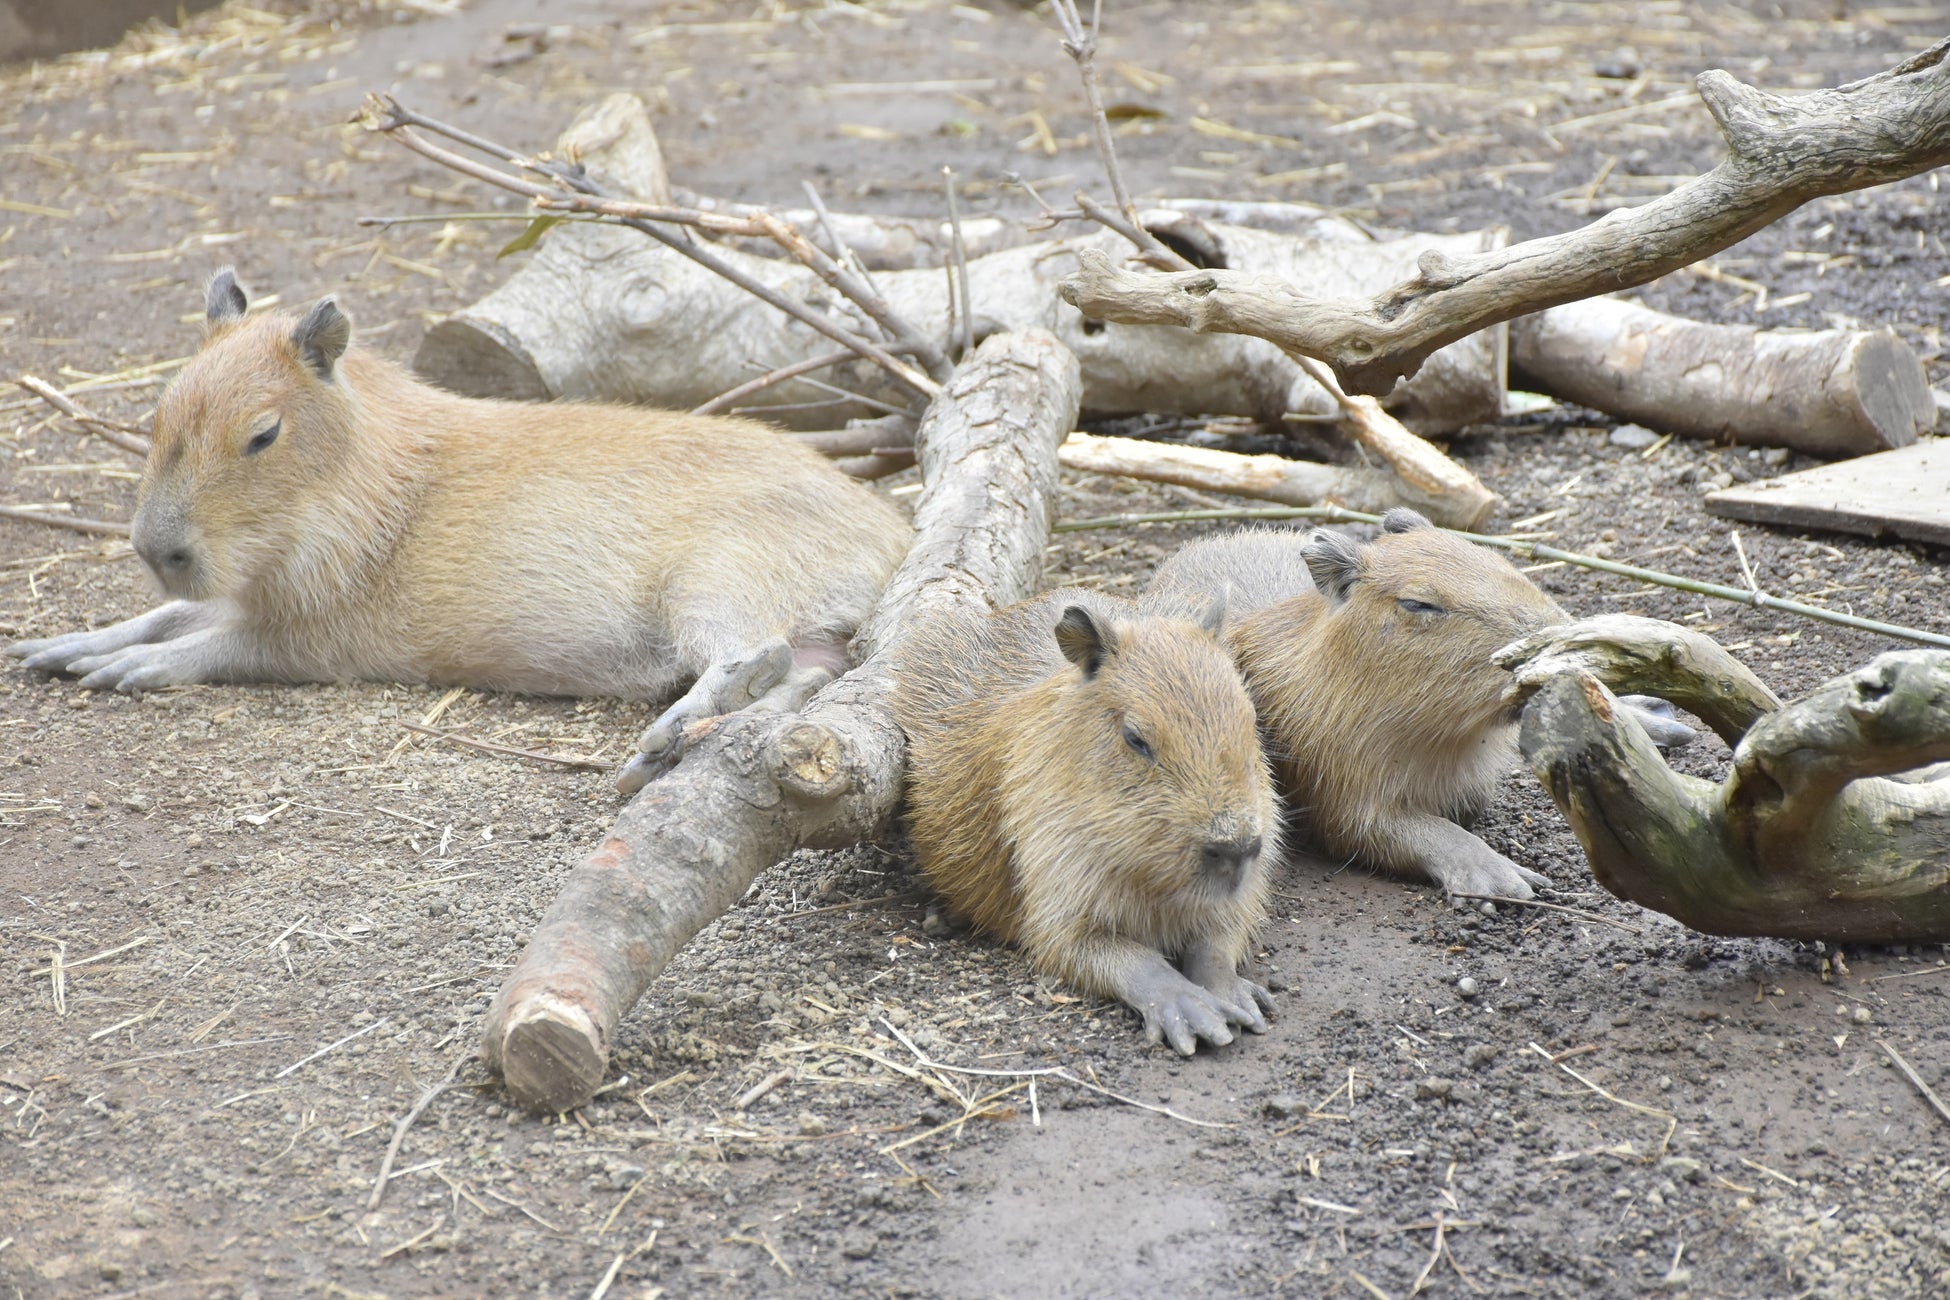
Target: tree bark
<point>1831,824</point>
<point>1781,152</point>
<point>600,312</point>
<point>1828,393</point>
<point>757,787</point>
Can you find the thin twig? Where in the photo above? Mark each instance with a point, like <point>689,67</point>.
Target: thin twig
<point>1915,1079</point>
<point>1435,1257</point>
<point>74,523</point>
<point>128,437</point>
<point>574,192</point>
<point>1534,551</point>
<point>732,396</point>
<point>405,1123</point>
<point>1552,907</point>
<point>1052,1072</point>
<point>961,266</point>
<point>489,747</point>
<point>330,1047</point>
<point>1081,46</point>
<point>1672,1120</point>
<point>841,249</point>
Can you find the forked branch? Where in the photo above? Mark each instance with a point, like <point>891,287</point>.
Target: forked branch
<point>1781,152</point>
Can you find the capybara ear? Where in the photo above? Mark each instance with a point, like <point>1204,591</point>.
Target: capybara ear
<point>1214,618</point>
<point>1334,561</point>
<point>322,336</point>
<point>1083,640</point>
<point>223,300</point>
<point>1403,520</point>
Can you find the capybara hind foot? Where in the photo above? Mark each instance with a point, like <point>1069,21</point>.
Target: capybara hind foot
<point>731,684</point>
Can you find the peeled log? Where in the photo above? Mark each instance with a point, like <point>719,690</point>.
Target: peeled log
<point>600,312</point>
<point>1272,478</point>
<point>1827,393</point>
<point>1832,824</point>
<point>754,788</point>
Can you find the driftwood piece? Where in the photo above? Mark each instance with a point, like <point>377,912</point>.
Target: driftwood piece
<point>602,313</point>
<point>1781,152</point>
<point>1905,493</point>
<point>1827,393</point>
<point>1271,478</point>
<point>754,788</point>
<point>1831,824</point>
<point>1646,656</point>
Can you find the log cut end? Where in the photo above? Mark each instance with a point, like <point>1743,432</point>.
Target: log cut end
<point>478,358</point>
<point>552,1055</point>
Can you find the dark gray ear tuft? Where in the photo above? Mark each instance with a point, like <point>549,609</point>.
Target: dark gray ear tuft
<point>223,300</point>
<point>322,336</point>
<point>1403,520</point>
<point>1214,618</point>
<point>1334,561</point>
<point>1083,640</point>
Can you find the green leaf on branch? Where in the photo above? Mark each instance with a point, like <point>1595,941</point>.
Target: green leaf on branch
<point>529,237</point>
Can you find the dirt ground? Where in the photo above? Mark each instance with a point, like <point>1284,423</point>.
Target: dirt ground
<point>237,879</point>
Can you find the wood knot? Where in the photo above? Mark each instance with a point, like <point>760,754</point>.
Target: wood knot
<point>810,761</point>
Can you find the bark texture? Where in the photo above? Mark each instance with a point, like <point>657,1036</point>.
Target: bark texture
<point>757,787</point>
<point>1781,152</point>
<point>1827,393</point>
<point>1831,825</point>
<point>602,313</point>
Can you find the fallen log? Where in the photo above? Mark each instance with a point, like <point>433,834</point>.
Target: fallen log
<point>599,312</point>
<point>1781,153</point>
<point>1831,825</point>
<point>754,788</point>
<point>1827,393</point>
<point>1271,478</point>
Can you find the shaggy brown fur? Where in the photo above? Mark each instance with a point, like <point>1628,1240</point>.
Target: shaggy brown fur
<point>1374,684</point>
<point>1086,781</point>
<point>320,514</point>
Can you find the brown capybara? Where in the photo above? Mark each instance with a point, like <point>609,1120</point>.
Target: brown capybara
<point>1370,666</point>
<point>318,514</point>
<point>1086,781</point>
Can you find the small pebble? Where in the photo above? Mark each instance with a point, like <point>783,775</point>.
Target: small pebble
<point>1466,986</point>
<point>1285,1106</point>
<point>1864,1016</point>
<point>810,1125</point>
<point>1436,1089</point>
<point>1632,437</point>
<point>1479,1055</point>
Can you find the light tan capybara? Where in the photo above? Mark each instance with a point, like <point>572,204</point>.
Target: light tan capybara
<point>1370,666</point>
<point>318,514</point>
<point>1086,781</point>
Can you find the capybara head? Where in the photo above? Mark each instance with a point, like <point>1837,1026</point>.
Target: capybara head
<point>253,445</point>
<point>1159,747</point>
<point>1417,605</point>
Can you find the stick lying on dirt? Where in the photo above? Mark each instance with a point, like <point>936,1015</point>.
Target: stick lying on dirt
<point>755,788</point>
<point>1828,393</point>
<point>1781,152</point>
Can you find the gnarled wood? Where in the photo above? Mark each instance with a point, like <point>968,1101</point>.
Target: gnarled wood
<point>756,787</point>
<point>1781,152</point>
<point>1831,825</point>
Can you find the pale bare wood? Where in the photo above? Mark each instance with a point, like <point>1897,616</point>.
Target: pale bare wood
<point>1827,393</point>
<point>1902,493</point>
<point>754,788</point>
<point>1781,152</point>
<point>1269,478</point>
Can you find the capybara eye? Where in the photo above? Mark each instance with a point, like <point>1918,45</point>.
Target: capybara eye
<point>1139,745</point>
<point>1420,606</point>
<point>264,439</point>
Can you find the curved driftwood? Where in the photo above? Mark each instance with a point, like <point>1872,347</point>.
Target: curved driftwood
<point>1831,824</point>
<point>756,787</point>
<point>1781,152</point>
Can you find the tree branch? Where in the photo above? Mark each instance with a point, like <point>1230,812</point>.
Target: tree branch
<point>1781,152</point>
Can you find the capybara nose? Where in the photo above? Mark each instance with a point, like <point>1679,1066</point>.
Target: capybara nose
<point>1225,861</point>
<point>176,559</point>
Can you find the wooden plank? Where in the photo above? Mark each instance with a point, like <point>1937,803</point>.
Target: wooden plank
<point>1903,493</point>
